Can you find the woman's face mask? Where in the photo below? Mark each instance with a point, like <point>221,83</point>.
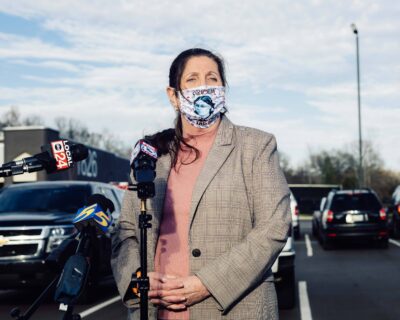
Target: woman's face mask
<point>202,106</point>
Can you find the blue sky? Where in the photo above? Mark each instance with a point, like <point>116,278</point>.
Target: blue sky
<point>290,66</point>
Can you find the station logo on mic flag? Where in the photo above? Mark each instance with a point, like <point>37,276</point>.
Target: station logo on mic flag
<point>92,215</point>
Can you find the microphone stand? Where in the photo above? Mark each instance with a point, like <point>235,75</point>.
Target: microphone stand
<point>140,280</point>
<point>83,248</point>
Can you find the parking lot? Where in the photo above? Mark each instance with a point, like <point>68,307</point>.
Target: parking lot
<point>355,281</point>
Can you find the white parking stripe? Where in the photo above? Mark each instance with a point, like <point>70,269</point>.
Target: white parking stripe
<point>305,310</point>
<point>308,245</point>
<point>102,305</point>
<point>396,243</point>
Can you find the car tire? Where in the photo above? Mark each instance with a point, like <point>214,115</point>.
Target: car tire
<point>327,243</point>
<point>396,227</point>
<point>382,243</point>
<point>286,290</point>
<point>314,231</point>
<point>296,233</point>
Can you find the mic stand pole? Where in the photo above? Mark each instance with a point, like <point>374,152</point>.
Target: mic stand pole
<point>83,248</point>
<point>144,284</point>
<point>140,280</point>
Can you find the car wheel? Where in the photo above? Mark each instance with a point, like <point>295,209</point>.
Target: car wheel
<point>396,227</point>
<point>327,243</point>
<point>296,233</point>
<point>314,231</point>
<point>382,243</point>
<point>286,290</point>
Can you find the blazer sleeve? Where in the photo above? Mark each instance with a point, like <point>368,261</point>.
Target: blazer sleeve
<point>239,270</point>
<point>125,257</point>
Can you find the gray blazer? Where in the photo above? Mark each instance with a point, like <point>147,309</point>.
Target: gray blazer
<point>239,222</point>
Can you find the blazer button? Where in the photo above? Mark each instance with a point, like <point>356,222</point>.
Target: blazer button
<point>196,253</point>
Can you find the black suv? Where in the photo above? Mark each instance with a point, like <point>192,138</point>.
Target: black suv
<point>35,218</point>
<point>394,214</point>
<point>349,214</point>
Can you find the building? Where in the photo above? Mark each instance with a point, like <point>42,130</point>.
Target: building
<point>20,142</point>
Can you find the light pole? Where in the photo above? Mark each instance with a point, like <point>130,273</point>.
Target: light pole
<point>360,169</point>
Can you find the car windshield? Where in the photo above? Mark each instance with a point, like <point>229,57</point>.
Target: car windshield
<point>63,199</point>
<point>356,201</point>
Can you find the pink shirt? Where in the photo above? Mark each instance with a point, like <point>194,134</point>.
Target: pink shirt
<point>172,253</point>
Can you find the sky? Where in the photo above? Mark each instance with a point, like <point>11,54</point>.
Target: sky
<point>291,66</point>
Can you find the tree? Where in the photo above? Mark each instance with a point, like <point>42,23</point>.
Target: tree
<point>12,118</point>
<point>341,167</point>
<point>70,129</point>
<point>75,130</point>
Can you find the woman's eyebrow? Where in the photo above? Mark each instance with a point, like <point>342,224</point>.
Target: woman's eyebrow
<point>191,74</point>
<point>212,72</point>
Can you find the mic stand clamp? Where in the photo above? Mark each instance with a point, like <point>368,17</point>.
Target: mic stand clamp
<point>140,283</point>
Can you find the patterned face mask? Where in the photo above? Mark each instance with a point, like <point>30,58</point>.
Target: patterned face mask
<point>202,106</point>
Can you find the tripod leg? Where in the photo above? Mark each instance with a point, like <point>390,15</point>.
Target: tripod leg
<point>35,305</point>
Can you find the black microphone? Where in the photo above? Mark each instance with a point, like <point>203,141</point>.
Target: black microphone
<point>58,257</point>
<point>57,156</point>
<point>93,218</point>
<point>143,164</point>
<point>96,213</point>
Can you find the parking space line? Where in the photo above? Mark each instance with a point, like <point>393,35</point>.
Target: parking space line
<point>102,305</point>
<point>305,309</point>
<point>396,243</point>
<point>308,246</point>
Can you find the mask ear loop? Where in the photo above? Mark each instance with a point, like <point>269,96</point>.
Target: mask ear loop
<point>177,95</point>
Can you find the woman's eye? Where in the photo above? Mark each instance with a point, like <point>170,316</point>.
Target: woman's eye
<point>190,79</point>
<point>214,79</point>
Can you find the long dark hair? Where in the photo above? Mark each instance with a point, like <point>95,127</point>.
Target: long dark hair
<point>170,140</point>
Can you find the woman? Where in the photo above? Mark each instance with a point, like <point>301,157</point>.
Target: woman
<point>221,211</point>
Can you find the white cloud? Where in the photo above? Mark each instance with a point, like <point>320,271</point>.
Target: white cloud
<point>117,54</point>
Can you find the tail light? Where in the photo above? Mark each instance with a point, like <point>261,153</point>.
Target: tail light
<point>398,209</point>
<point>296,210</point>
<point>329,216</point>
<point>382,214</point>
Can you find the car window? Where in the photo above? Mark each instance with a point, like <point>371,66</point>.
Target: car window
<point>108,193</point>
<point>356,201</point>
<point>119,193</point>
<point>65,199</point>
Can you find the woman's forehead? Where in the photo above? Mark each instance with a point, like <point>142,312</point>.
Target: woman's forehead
<point>201,64</point>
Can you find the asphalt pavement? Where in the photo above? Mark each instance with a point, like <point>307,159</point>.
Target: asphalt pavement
<point>352,281</point>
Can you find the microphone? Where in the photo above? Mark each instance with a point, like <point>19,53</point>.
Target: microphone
<point>143,164</point>
<point>57,156</point>
<point>96,213</point>
<point>95,216</point>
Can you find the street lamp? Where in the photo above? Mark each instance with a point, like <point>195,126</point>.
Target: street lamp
<point>360,169</point>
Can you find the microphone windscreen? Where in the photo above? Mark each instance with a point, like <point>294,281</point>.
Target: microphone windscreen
<point>102,201</point>
<point>79,152</point>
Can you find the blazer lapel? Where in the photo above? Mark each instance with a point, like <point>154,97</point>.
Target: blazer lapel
<point>222,147</point>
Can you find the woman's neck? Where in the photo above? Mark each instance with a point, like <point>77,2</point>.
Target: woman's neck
<point>190,131</point>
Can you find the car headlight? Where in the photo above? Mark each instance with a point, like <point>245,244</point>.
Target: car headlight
<point>57,235</point>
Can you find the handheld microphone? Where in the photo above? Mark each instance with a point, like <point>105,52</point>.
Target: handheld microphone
<point>57,156</point>
<point>97,213</point>
<point>143,164</point>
